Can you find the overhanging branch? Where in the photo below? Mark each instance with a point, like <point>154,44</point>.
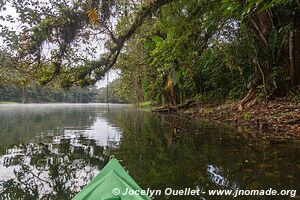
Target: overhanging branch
<point>106,63</point>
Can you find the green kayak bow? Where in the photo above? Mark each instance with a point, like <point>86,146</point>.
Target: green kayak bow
<point>112,183</point>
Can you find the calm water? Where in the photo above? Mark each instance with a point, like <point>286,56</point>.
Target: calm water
<point>51,151</point>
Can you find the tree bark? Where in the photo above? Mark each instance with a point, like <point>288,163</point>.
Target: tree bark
<point>291,57</point>
<point>296,49</point>
<point>260,26</point>
<point>279,48</point>
<point>250,98</point>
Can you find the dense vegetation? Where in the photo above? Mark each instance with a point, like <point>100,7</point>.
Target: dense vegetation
<point>167,51</point>
<point>39,94</point>
<point>49,94</point>
<point>111,93</point>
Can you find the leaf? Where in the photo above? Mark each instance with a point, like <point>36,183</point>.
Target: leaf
<point>93,16</point>
<point>149,45</point>
<point>157,39</point>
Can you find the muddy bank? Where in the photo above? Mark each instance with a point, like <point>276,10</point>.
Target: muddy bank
<point>278,119</point>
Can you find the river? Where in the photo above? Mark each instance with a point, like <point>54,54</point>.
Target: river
<point>50,151</point>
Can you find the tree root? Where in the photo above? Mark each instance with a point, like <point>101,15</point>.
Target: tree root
<point>249,100</point>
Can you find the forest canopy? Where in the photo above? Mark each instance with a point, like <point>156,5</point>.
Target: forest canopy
<point>167,51</point>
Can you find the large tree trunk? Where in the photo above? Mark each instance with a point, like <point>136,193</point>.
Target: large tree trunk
<point>295,44</point>
<point>260,25</point>
<point>249,99</point>
<point>278,51</point>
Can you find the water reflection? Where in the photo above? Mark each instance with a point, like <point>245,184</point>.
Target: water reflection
<point>42,171</point>
<point>202,156</point>
<point>214,173</point>
<point>50,152</point>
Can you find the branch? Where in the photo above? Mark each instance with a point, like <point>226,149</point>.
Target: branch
<point>109,61</point>
<point>258,30</point>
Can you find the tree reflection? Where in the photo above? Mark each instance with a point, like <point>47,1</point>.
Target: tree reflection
<point>159,151</point>
<point>51,171</point>
<point>20,125</point>
<point>162,151</point>
<point>51,151</point>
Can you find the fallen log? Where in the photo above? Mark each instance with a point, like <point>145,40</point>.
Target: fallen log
<point>165,109</point>
<point>184,105</point>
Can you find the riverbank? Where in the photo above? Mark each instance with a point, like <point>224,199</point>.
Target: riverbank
<point>278,119</point>
<point>7,102</point>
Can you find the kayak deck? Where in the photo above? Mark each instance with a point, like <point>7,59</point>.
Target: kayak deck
<point>111,183</point>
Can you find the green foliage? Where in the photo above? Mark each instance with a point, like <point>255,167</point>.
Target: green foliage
<point>270,24</point>
<point>247,116</point>
<point>46,94</point>
<point>187,49</point>
<point>183,56</point>
<point>296,99</point>
<point>146,105</point>
<point>111,94</point>
<point>250,6</point>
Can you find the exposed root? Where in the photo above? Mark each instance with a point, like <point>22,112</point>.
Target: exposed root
<point>249,100</point>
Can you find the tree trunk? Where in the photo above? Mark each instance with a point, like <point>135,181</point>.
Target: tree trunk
<point>278,48</point>
<point>24,95</point>
<point>249,99</point>
<point>296,49</point>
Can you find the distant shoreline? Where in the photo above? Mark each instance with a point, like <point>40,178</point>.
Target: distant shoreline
<point>7,102</point>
